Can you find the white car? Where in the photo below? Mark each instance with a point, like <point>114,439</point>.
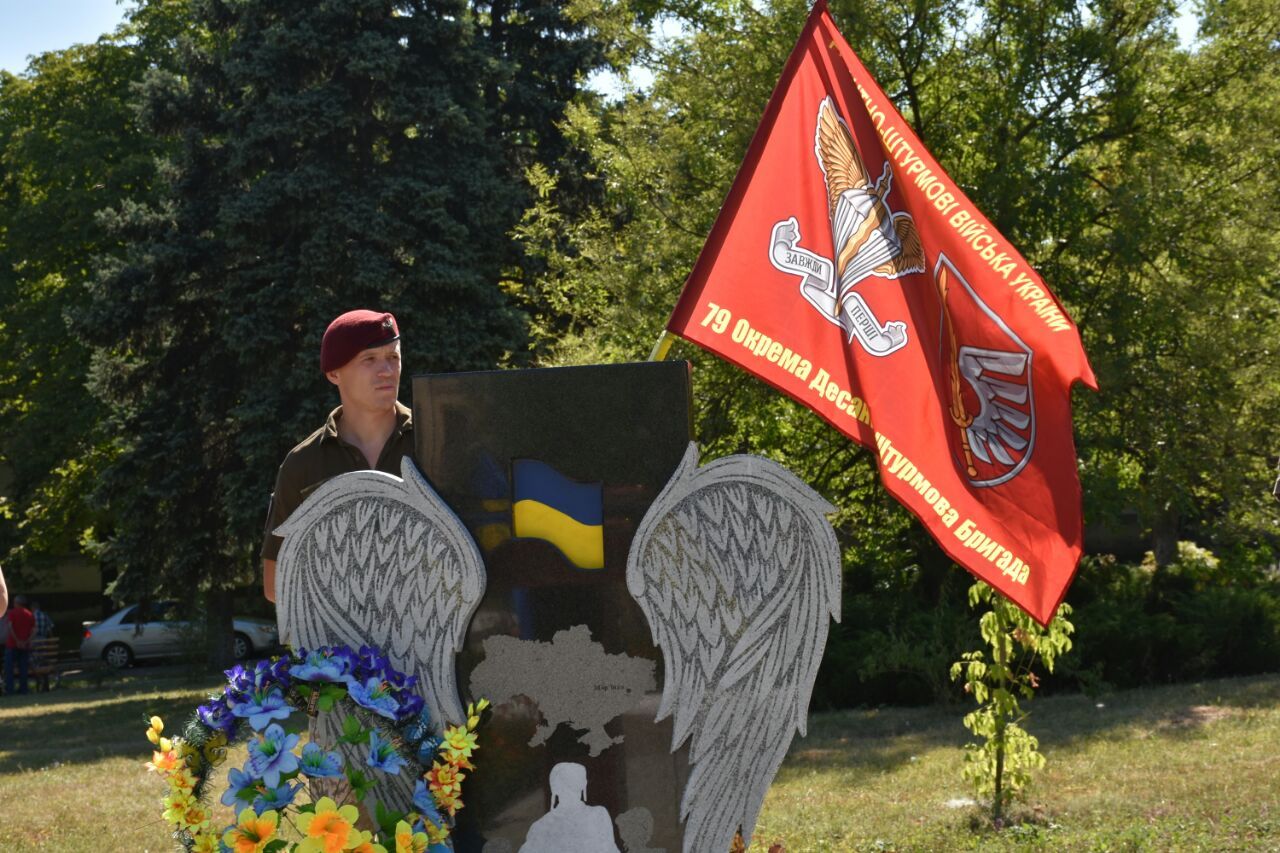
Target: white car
<point>121,638</point>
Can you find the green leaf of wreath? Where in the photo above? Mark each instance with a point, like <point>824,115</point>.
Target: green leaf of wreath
<point>352,731</point>
<point>359,783</point>
<point>330,695</point>
<point>387,819</point>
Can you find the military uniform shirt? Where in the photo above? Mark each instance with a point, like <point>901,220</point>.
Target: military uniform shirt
<point>322,455</point>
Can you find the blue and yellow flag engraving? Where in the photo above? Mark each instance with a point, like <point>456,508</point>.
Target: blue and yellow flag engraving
<point>570,515</point>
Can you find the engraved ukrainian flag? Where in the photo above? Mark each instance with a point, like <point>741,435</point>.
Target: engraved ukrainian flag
<point>570,515</point>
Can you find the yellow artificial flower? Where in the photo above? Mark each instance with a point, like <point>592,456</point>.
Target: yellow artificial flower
<point>474,710</point>
<point>329,829</point>
<point>176,805</point>
<point>408,841</point>
<point>164,761</point>
<point>460,741</point>
<point>364,843</point>
<point>182,779</point>
<point>153,733</point>
<point>437,834</point>
<point>252,833</point>
<point>195,818</point>
<point>205,842</point>
<point>444,779</point>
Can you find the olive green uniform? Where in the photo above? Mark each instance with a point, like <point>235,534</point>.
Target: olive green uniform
<point>323,455</point>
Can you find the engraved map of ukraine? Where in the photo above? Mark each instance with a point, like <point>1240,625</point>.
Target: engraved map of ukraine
<point>572,679</point>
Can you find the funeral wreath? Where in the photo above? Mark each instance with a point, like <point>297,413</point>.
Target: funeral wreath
<point>383,719</point>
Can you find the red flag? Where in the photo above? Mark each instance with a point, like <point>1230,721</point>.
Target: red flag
<point>849,271</point>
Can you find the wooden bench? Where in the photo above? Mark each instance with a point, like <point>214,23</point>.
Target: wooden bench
<point>44,662</point>
<point>50,666</point>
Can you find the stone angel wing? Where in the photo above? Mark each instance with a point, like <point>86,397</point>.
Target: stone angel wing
<point>373,558</point>
<point>737,570</point>
<point>840,161</point>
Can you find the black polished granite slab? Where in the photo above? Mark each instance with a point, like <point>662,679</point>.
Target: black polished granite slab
<point>626,427</point>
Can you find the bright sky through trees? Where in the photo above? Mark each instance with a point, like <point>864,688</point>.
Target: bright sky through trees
<point>28,28</point>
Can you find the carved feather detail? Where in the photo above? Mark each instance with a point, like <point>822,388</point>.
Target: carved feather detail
<point>335,582</point>
<point>737,571</point>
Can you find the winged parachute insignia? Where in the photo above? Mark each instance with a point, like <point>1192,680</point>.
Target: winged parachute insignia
<point>342,578</point>
<point>736,570</point>
<point>870,239</point>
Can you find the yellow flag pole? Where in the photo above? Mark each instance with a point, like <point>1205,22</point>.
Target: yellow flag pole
<point>663,346</point>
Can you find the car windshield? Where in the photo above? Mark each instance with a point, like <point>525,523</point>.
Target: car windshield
<point>157,611</point>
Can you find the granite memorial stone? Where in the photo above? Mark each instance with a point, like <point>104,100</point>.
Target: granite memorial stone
<point>648,630</point>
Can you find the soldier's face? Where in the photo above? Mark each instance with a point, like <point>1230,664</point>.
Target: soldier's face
<point>371,380</point>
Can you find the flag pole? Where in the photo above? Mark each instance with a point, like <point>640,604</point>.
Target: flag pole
<point>663,346</point>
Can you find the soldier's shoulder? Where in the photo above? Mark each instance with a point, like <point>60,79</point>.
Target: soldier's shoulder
<point>305,453</point>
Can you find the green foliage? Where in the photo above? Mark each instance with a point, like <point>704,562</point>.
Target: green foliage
<point>1192,619</point>
<point>202,190</point>
<point>1112,157</point>
<point>70,145</point>
<point>1000,766</point>
<point>325,158</point>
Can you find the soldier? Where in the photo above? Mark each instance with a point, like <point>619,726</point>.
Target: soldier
<point>360,354</point>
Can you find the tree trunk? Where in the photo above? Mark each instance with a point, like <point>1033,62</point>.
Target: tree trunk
<point>1164,538</point>
<point>1002,658</point>
<point>218,628</point>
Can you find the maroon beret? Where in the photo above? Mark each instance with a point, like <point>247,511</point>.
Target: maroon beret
<point>354,332</point>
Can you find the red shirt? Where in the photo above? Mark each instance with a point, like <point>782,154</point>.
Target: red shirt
<point>21,625</point>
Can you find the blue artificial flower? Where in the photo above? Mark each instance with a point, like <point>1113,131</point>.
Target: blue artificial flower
<point>383,755</point>
<point>320,665</point>
<point>272,755</point>
<point>410,705</point>
<point>318,764</point>
<point>276,798</point>
<point>238,781</point>
<point>262,706</point>
<point>251,686</point>
<point>238,679</point>
<point>217,717</point>
<point>426,804</point>
<point>374,695</point>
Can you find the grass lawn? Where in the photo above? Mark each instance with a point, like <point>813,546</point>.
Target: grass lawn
<point>1189,767</point>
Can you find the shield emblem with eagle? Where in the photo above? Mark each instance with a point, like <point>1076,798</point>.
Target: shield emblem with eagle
<point>647,627</point>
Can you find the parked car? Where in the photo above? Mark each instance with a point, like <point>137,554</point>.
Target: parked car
<point>129,634</point>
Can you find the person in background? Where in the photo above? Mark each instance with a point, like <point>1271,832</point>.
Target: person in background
<point>44,622</point>
<point>4,639</point>
<point>17,649</point>
<point>4,593</point>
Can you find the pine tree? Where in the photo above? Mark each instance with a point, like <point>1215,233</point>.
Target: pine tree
<point>332,156</point>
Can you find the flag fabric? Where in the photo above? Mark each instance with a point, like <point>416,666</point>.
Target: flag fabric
<point>548,505</point>
<point>850,272</point>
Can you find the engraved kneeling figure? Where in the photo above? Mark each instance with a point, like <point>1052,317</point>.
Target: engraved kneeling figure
<point>570,825</point>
